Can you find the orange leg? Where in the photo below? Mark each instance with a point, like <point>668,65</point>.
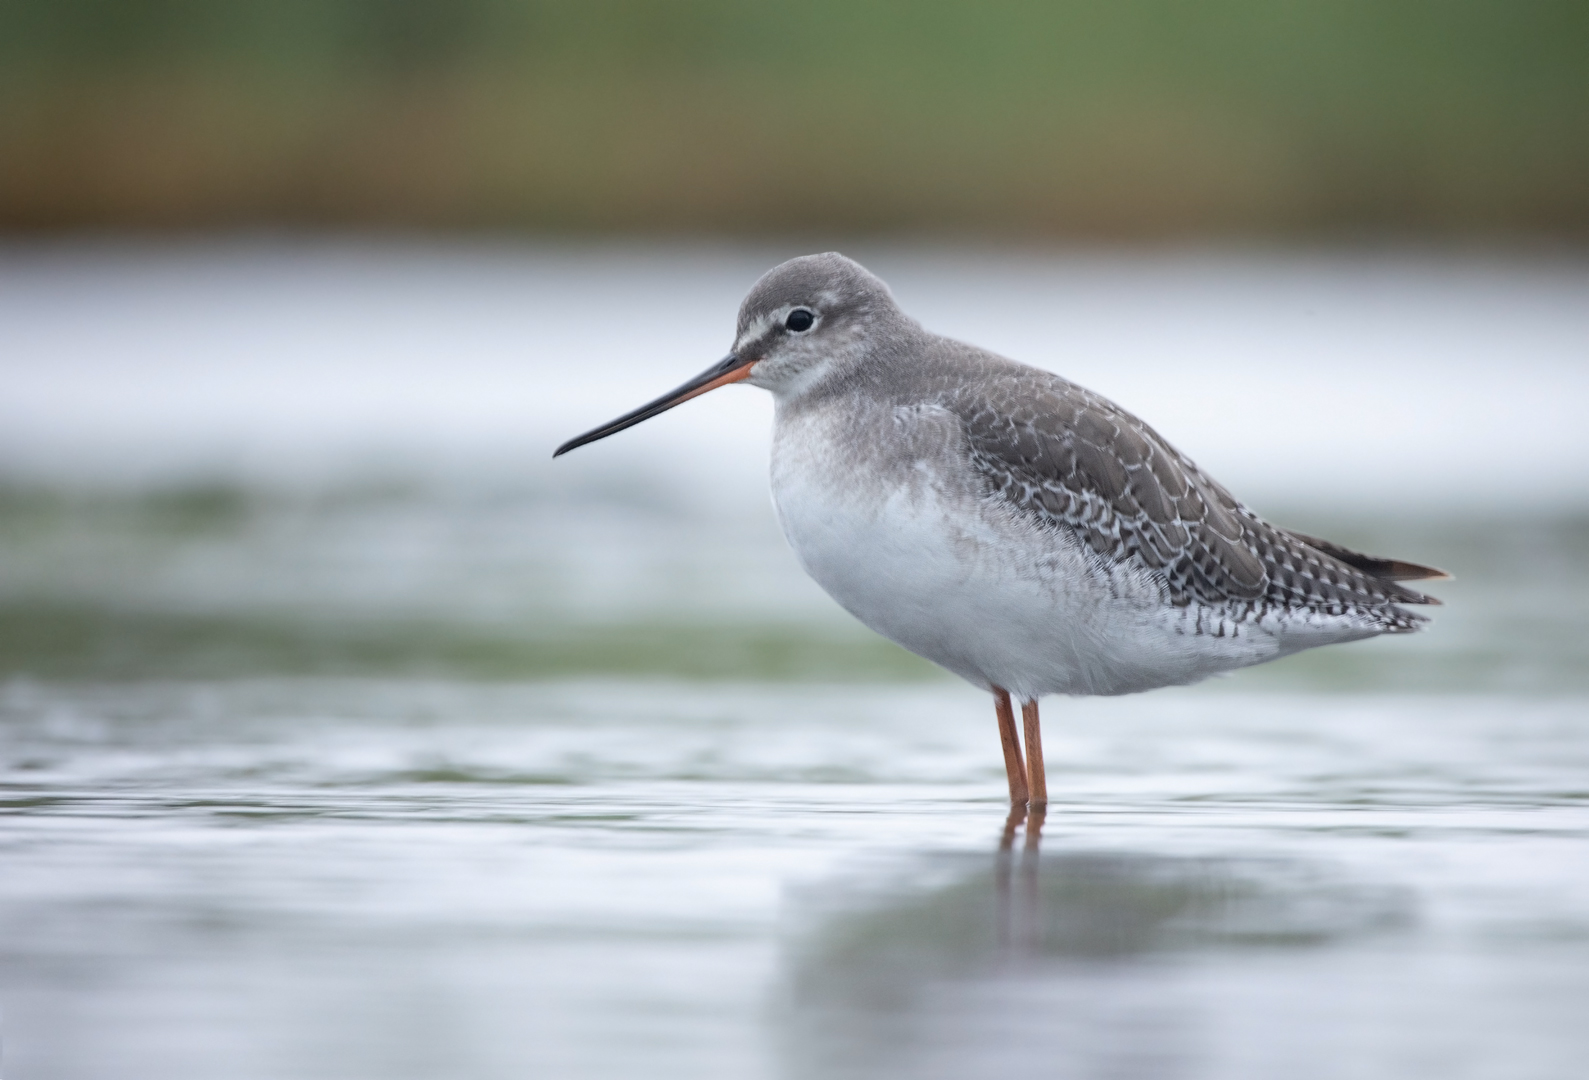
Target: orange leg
<point>1034,754</point>
<point>1012,746</point>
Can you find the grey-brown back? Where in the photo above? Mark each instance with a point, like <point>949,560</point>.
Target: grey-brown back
<point>1071,459</point>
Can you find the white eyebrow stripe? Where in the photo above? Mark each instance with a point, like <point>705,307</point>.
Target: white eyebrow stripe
<point>756,330</point>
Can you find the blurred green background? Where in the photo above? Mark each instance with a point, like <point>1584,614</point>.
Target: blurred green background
<point>1134,119</point>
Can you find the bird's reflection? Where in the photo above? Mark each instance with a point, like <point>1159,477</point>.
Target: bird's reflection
<point>1017,919</point>
<point>1021,815</point>
<point>944,962</point>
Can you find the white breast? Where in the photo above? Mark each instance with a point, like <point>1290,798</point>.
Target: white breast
<point>898,530</point>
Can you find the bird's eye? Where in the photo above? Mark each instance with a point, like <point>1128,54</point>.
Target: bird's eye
<point>799,320</point>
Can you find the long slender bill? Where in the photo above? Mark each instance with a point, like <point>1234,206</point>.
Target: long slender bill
<point>730,369</point>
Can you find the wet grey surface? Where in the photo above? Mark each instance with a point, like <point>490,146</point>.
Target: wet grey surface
<point>400,878</point>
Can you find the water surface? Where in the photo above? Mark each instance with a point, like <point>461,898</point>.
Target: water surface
<point>310,877</point>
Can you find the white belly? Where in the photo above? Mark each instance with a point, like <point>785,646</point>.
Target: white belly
<point>919,557</point>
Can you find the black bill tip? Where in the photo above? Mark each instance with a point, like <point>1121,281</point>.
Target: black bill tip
<point>730,369</point>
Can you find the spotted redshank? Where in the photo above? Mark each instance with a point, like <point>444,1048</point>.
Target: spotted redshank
<point>1026,534</point>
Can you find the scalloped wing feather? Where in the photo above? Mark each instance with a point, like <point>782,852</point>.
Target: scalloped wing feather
<point>1072,458</point>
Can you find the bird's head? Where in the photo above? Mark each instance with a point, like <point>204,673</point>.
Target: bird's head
<point>804,322</point>
<point>809,318</point>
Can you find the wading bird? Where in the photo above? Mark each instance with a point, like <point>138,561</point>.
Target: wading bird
<point>1025,533</point>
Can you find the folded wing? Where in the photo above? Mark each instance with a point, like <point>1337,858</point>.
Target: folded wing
<point>1075,460</point>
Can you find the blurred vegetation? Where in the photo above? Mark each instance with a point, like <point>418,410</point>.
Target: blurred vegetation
<point>66,641</point>
<point>55,641</point>
<point>144,584</point>
<point>1121,119</point>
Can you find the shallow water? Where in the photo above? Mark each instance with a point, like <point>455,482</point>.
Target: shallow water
<point>350,740</point>
<point>280,877</point>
